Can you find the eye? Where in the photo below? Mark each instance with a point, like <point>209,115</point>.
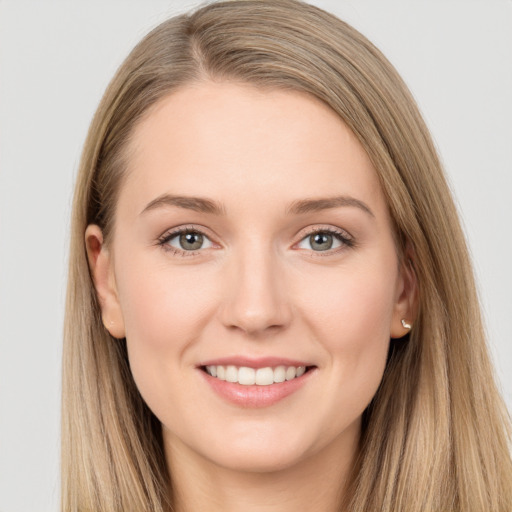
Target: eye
<point>325,240</point>
<point>187,240</point>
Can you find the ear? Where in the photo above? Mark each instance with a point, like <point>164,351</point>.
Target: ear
<point>102,271</point>
<point>406,302</point>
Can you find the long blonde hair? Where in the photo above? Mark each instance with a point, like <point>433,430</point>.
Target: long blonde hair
<point>436,435</point>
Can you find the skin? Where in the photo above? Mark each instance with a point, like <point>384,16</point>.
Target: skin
<point>256,288</point>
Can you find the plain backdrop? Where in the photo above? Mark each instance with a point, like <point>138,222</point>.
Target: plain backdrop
<point>56,58</point>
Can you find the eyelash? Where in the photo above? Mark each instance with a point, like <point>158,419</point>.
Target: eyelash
<point>347,242</point>
<point>164,240</point>
<point>342,236</point>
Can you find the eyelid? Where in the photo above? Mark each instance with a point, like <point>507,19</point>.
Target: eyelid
<point>346,239</point>
<point>171,233</point>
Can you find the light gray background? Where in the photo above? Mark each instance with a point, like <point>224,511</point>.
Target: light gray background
<point>56,58</point>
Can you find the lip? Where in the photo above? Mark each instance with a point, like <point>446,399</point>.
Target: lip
<point>253,362</point>
<point>255,396</point>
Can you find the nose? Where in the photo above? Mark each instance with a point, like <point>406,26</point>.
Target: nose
<point>255,298</point>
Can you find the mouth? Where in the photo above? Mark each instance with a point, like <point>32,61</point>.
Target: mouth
<point>247,376</point>
<point>259,382</point>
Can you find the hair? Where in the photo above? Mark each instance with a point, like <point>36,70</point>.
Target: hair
<point>436,435</point>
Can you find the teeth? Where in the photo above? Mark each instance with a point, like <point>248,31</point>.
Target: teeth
<point>231,374</point>
<point>261,377</point>
<point>247,376</point>
<point>264,376</point>
<point>291,372</point>
<point>280,374</point>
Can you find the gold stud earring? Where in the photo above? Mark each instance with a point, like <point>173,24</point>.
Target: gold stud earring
<point>405,324</point>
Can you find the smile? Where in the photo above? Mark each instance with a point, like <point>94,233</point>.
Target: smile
<point>247,376</point>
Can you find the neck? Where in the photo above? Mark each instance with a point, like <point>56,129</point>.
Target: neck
<point>314,483</point>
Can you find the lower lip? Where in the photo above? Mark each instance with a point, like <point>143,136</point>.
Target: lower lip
<point>256,396</point>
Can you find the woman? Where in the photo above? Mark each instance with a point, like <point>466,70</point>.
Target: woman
<point>270,301</point>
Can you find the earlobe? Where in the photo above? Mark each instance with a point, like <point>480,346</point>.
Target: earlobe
<point>102,272</point>
<point>405,308</point>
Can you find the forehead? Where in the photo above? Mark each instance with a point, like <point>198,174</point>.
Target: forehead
<point>243,144</point>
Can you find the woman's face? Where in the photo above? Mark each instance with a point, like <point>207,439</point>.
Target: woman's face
<point>252,241</point>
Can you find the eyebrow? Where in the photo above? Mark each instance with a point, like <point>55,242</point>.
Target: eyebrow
<point>203,205</point>
<point>198,204</point>
<point>315,205</point>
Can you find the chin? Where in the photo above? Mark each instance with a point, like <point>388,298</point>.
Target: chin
<point>261,452</point>
<point>257,460</point>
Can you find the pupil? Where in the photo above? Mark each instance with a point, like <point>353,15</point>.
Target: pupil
<point>321,241</point>
<point>191,241</point>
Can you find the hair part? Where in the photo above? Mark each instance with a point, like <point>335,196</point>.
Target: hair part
<point>436,435</point>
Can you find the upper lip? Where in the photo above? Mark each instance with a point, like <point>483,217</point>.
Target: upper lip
<point>254,362</point>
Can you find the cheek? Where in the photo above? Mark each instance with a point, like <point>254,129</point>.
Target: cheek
<point>164,310</point>
<point>354,305</point>
<point>351,320</point>
<point>161,305</point>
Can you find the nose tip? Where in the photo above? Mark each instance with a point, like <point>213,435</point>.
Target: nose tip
<point>253,321</point>
<point>255,299</point>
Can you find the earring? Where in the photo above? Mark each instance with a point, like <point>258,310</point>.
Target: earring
<point>405,324</point>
